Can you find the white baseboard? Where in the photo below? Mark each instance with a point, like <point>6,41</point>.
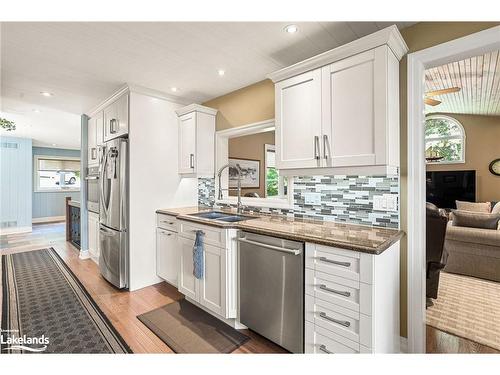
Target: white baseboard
<point>14,230</point>
<point>403,345</point>
<point>49,219</point>
<point>84,254</point>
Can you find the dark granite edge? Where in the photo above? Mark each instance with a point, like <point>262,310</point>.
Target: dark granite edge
<point>333,243</point>
<point>290,236</point>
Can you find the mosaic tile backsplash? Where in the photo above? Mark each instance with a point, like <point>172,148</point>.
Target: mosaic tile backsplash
<point>342,198</point>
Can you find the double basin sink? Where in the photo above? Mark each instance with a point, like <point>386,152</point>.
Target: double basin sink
<point>222,216</point>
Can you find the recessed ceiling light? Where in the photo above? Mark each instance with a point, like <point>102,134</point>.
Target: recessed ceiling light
<point>221,72</point>
<point>174,89</point>
<point>54,144</point>
<point>37,111</point>
<point>46,94</point>
<point>291,29</point>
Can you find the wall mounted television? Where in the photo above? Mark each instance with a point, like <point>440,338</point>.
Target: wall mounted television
<point>446,187</point>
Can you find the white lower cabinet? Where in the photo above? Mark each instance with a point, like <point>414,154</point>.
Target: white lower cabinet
<point>187,282</point>
<point>93,233</point>
<point>167,255</point>
<point>321,341</point>
<point>216,290</point>
<point>351,302</point>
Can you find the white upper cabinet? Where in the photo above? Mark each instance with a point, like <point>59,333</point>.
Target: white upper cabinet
<point>341,108</point>
<point>298,107</point>
<point>95,138</point>
<point>187,143</point>
<point>116,118</point>
<point>197,140</point>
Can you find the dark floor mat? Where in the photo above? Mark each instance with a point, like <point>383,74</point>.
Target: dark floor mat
<point>186,328</point>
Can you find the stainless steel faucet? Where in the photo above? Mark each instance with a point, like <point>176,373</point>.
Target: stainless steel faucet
<point>239,206</point>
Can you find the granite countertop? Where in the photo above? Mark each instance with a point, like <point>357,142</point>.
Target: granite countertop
<point>367,239</point>
<point>74,203</point>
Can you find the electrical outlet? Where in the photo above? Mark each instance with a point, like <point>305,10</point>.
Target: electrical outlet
<point>313,198</point>
<point>385,202</point>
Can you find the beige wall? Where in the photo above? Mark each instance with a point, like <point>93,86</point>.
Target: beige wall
<point>250,104</point>
<point>256,103</point>
<point>481,147</point>
<point>252,147</point>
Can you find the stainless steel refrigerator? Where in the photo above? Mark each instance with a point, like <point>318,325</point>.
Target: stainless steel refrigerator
<point>113,220</point>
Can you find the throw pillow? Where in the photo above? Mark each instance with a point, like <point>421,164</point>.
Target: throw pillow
<point>474,207</point>
<point>475,219</point>
<point>496,208</point>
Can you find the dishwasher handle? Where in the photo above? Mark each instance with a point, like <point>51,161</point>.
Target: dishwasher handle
<point>271,247</point>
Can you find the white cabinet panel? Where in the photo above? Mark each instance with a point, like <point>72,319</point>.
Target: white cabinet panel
<point>321,341</point>
<point>343,114</point>
<point>93,234</point>
<point>116,118</point>
<point>213,284</point>
<point>298,121</point>
<point>167,255</point>
<point>187,283</point>
<point>187,143</point>
<point>354,109</point>
<point>196,140</point>
<point>95,139</point>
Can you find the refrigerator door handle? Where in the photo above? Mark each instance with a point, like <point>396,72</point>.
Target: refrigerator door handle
<point>103,172</point>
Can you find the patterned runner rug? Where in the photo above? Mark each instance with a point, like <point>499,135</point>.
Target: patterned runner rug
<point>46,309</point>
<point>467,307</point>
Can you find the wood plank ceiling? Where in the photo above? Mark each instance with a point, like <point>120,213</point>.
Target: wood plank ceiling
<point>479,80</point>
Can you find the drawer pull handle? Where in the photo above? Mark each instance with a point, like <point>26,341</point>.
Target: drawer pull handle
<point>324,349</point>
<point>345,294</point>
<point>167,222</point>
<point>344,323</point>
<point>343,264</point>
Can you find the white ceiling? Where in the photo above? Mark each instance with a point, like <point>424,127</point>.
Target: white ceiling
<point>47,128</point>
<point>479,80</point>
<point>82,63</point>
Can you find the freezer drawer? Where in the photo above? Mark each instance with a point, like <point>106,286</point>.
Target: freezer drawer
<point>113,257</point>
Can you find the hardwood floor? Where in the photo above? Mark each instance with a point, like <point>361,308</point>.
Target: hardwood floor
<point>438,341</point>
<point>121,307</point>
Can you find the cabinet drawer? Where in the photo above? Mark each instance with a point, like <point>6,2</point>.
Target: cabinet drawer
<point>339,320</point>
<point>213,236</point>
<point>166,222</point>
<point>321,341</point>
<point>339,291</point>
<point>333,261</point>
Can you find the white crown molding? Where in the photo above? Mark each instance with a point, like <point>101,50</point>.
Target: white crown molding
<point>137,89</point>
<point>389,36</point>
<point>196,108</point>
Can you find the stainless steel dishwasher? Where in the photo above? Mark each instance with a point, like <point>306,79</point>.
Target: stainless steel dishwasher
<point>271,288</point>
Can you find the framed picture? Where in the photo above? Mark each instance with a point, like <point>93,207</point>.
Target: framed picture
<point>250,175</point>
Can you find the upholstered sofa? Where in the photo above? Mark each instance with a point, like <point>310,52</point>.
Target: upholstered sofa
<point>473,251</point>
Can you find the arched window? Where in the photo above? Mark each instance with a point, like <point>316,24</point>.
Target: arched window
<point>444,140</point>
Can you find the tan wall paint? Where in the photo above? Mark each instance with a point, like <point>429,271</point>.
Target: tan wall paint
<point>256,103</point>
<point>481,147</point>
<point>252,147</point>
<point>250,104</point>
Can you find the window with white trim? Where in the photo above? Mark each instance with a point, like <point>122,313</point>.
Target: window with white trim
<point>52,173</point>
<point>444,140</point>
